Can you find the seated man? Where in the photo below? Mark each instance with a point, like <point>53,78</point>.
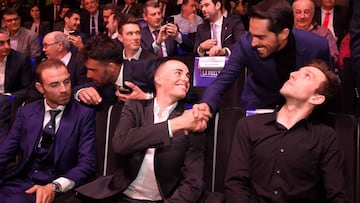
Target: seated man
<point>55,138</point>
<point>289,155</point>
<point>162,157</point>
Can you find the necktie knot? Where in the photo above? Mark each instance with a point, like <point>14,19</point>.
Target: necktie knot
<point>51,124</point>
<point>49,130</point>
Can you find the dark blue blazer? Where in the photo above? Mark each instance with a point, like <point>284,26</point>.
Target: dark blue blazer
<point>74,142</point>
<point>262,85</point>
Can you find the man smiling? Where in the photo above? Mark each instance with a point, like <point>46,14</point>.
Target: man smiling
<point>271,50</point>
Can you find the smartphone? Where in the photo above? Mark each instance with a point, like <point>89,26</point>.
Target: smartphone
<point>72,32</point>
<point>125,90</point>
<point>170,19</point>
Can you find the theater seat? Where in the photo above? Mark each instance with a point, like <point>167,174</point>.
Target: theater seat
<point>347,128</point>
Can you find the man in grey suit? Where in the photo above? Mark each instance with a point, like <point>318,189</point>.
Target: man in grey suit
<point>21,39</point>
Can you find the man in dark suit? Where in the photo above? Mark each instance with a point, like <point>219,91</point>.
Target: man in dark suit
<point>161,40</point>
<point>17,77</point>
<point>271,50</point>
<point>131,8</point>
<point>54,138</point>
<point>162,156</point>
<point>52,11</point>
<point>218,35</point>
<point>92,21</point>
<point>56,45</point>
<point>71,28</point>
<point>339,26</point>
<point>130,37</point>
<point>111,75</point>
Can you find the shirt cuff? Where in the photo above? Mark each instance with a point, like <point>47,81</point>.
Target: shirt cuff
<point>179,38</point>
<point>228,51</point>
<point>66,184</point>
<point>198,51</point>
<point>169,129</point>
<point>76,95</point>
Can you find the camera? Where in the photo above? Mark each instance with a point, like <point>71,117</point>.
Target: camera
<point>72,32</point>
<point>125,90</point>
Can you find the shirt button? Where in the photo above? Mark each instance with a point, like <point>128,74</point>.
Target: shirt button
<point>282,150</point>
<point>278,171</point>
<point>276,192</point>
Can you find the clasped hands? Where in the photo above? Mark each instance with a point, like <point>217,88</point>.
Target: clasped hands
<point>166,31</point>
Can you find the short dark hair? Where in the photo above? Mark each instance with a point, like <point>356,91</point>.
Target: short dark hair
<point>47,64</point>
<point>329,88</point>
<point>10,11</point>
<point>4,31</point>
<point>153,4</point>
<point>110,6</point>
<point>71,12</point>
<point>101,48</point>
<point>215,1</point>
<point>278,12</point>
<point>130,20</point>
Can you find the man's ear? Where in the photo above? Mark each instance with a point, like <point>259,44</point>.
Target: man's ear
<point>218,5</point>
<point>157,79</point>
<point>284,34</point>
<point>317,99</point>
<point>120,38</point>
<point>39,87</point>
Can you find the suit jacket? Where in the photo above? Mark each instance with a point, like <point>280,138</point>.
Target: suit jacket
<point>49,13</point>
<point>170,43</point>
<point>44,27</point>
<point>140,73</point>
<point>74,142</point>
<point>230,32</point>
<point>85,23</point>
<point>18,74</point>
<point>135,10</point>
<point>77,71</point>
<point>178,161</point>
<point>262,85</point>
<point>28,42</point>
<point>341,21</point>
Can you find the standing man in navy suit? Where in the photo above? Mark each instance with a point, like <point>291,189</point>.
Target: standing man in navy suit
<point>218,35</point>
<point>271,50</point>
<point>55,140</point>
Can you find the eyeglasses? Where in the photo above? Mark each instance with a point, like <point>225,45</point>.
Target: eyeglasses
<point>45,45</point>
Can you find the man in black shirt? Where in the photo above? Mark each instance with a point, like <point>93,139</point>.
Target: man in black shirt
<point>289,155</point>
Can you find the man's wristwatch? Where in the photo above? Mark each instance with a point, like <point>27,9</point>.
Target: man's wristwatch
<point>56,187</point>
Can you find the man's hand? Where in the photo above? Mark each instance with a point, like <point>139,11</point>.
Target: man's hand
<point>207,44</point>
<point>44,194</point>
<point>172,30</point>
<point>89,96</point>
<point>217,51</point>
<point>76,41</point>
<point>188,123</point>
<point>201,111</point>
<point>136,93</point>
<point>162,35</point>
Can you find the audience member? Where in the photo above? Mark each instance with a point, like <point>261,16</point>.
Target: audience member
<point>289,155</point>
<point>71,28</point>
<point>160,140</point>
<point>337,21</point>
<point>130,37</point>
<point>54,137</point>
<point>187,20</point>
<point>107,11</point>
<point>113,78</point>
<point>168,8</point>
<point>303,19</point>
<point>56,45</point>
<point>36,23</point>
<point>131,8</point>
<point>112,26</point>
<point>161,40</point>
<point>63,10</point>
<point>15,78</point>
<point>21,39</point>
<point>52,11</point>
<point>271,50</point>
<point>92,21</point>
<point>218,35</point>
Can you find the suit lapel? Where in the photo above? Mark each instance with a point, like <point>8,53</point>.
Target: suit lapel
<point>34,127</point>
<point>65,130</point>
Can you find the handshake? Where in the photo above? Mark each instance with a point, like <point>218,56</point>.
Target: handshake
<point>192,120</point>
